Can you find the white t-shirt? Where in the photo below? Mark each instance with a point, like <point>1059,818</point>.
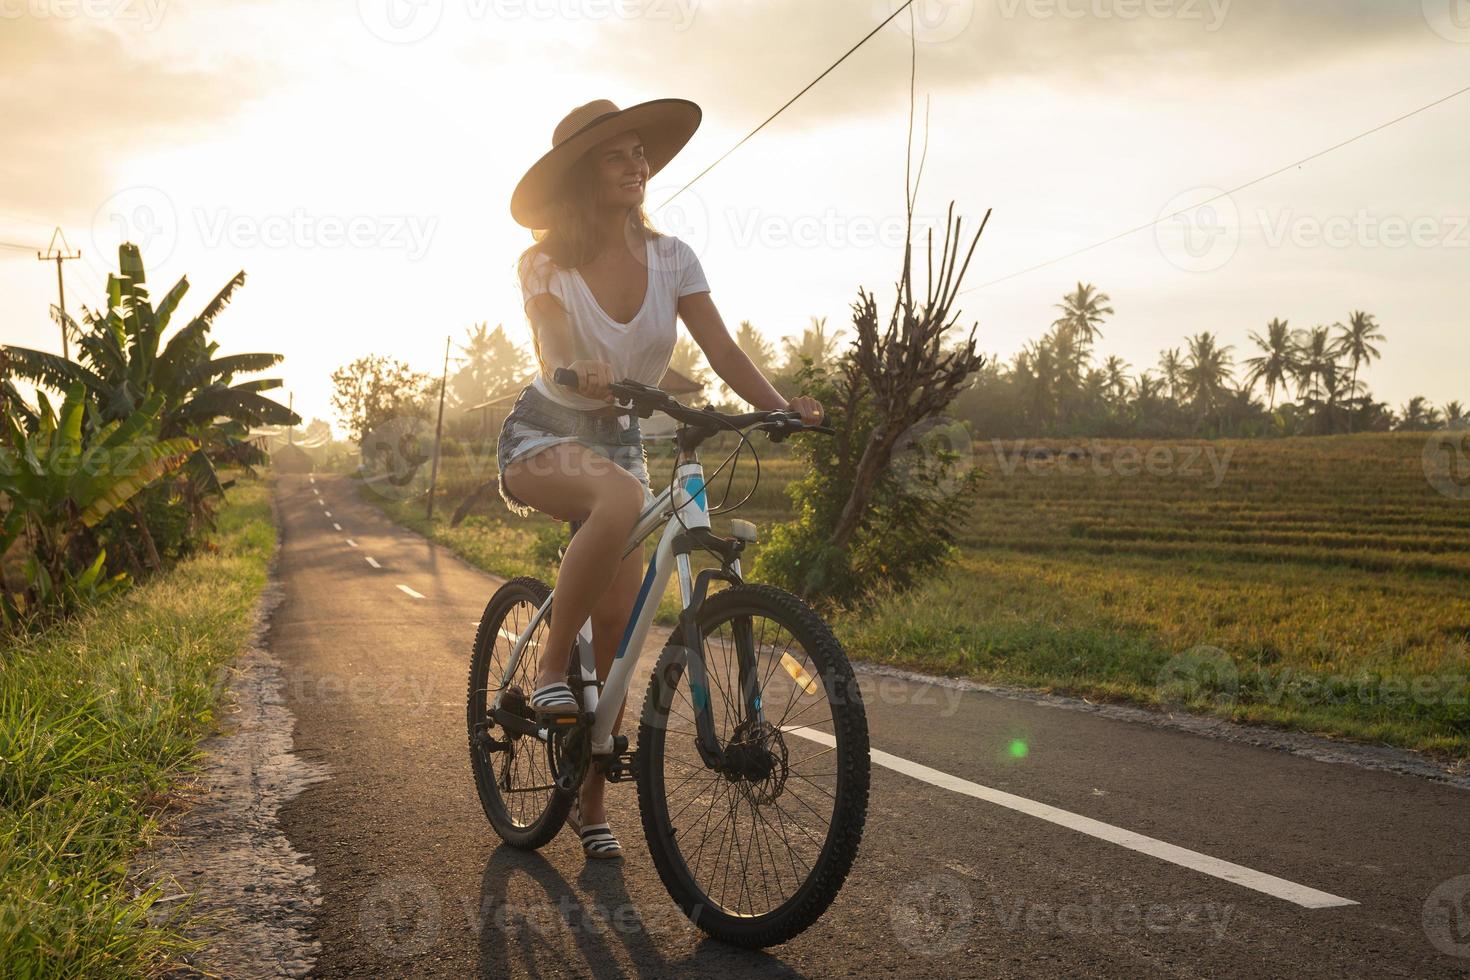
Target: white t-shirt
<point>639,349</point>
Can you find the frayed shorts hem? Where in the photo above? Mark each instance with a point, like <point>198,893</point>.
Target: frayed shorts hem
<point>630,458</point>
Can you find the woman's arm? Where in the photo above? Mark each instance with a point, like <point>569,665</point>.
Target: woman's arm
<point>732,364</point>
<point>552,332</point>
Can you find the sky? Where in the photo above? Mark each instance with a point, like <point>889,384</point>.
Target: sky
<point>356,158</point>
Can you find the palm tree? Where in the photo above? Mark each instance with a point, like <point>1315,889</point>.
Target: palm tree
<point>756,346</point>
<point>1208,369</point>
<point>1454,415</point>
<point>1083,313</point>
<point>1355,341</point>
<point>1069,364</point>
<point>1147,388</point>
<point>814,344</point>
<point>1115,370</point>
<point>689,361</point>
<point>1171,367</point>
<point>491,364</point>
<point>1034,371</point>
<point>1316,361</point>
<point>1277,362</point>
<point>1418,415</point>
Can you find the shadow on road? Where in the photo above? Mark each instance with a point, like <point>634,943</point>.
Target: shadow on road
<point>601,932</point>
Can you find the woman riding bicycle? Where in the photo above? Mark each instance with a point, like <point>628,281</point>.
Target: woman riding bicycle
<point>602,290</point>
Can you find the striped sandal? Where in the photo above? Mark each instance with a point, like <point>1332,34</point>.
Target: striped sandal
<point>597,839</point>
<point>555,700</point>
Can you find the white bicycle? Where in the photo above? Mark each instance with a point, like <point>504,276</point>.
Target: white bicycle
<point>752,758</point>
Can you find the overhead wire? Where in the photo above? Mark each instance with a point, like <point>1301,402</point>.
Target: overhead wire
<point>1220,196</point>
<point>805,89</point>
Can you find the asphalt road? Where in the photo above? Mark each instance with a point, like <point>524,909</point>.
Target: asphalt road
<point>1109,848</point>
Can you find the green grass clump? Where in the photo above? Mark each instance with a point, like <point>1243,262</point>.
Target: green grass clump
<point>99,718</point>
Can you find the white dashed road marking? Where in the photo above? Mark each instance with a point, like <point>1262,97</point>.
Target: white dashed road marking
<point>407,591</point>
<point>336,526</point>
<point>327,513</point>
<point>373,561</point>
<point>1309,898</point>
<point>352,542</point>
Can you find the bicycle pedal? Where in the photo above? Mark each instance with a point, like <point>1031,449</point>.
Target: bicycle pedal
<point>622,768</point>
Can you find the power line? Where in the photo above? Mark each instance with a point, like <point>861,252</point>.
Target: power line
<point>1223,194</point>
<point>788,104</point>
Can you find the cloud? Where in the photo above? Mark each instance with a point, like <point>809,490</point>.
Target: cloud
<point>81,98</point>
<point>753,56</point>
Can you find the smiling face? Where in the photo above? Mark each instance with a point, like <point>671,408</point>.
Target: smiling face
<point>621,171</point>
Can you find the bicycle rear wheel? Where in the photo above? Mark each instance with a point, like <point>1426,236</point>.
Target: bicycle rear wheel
<point>513,770</point>
<point>755,846</point>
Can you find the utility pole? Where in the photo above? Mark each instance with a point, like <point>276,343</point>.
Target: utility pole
<point>438,428</point>
<point>60,255</point>
<point>291,429</point>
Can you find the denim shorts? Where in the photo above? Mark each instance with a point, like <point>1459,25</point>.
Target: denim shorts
<point>537,422</point>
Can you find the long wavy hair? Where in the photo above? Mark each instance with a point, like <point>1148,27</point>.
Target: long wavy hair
<point>572,240</point>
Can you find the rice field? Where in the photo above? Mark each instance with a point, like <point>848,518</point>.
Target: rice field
<point>1321,584</point>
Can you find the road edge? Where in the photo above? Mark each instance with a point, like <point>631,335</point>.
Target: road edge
<point>1315,747</point>
<point>251,897</point>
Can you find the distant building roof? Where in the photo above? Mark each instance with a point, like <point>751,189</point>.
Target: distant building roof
<point>673,382</point>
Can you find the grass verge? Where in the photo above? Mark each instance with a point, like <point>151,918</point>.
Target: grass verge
<point>99,718</point>
<point>1333,652</point>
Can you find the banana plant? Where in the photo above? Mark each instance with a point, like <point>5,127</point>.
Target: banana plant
<point>62,478</point>
<point>123,362</point>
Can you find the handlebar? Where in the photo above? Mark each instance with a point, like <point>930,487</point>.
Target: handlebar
<point>646,399</point>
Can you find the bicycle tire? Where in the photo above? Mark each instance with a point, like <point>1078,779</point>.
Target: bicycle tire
<point>486,667</point>
<point>849,808</point>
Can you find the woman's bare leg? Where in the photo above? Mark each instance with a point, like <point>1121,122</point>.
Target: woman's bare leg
<point>609,620</point>
<point>572,483</point>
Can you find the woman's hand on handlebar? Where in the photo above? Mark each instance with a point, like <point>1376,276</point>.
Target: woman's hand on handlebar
<point>593,377</point>
<point>809,408</point>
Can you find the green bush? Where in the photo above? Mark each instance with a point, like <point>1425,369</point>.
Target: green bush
<point>910,526</point>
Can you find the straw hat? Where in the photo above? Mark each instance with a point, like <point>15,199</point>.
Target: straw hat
<point>665,125</point>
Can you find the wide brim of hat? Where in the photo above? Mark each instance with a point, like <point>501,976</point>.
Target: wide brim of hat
<point>665,125</point>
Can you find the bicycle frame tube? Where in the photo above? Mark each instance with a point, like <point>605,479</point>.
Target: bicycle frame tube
<point>689,499</point>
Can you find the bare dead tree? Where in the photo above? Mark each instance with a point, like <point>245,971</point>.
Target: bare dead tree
<point>903,367</point>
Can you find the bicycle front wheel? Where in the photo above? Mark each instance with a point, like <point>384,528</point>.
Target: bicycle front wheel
<point>513,770</point>
<point>754,842</point>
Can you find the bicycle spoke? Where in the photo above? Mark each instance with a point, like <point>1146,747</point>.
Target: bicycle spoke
<point>753,841</point>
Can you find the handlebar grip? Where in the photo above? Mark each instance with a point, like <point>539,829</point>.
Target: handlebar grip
<point>566,377</point>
